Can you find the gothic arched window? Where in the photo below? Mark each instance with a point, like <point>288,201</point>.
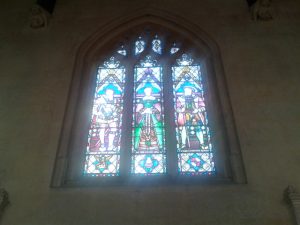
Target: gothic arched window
<point>149,108</point>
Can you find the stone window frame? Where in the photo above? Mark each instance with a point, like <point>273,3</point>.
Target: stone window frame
<point>229,163</point>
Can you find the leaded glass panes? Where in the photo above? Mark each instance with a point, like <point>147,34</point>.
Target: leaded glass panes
<point>194,148</point>
<point>148,149</point>
<point>139,46</point>
<point>148,143</point>
<point>122,51</point>
<point>156,45</point>
<point>174,49</point>
<point>103,148</point>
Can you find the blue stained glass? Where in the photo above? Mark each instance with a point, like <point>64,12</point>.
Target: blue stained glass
<point>139,46</point>
<point>156,45</point>
<point>102,165</point>
<point>195,163</point>
<point>148,164</point>
<point>174,49</point>
<point>122,51</point>
<point>192,128</point>
<point>148,126</point>
<point>103,147</point>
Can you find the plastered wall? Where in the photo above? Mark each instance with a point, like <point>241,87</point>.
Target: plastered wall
<point>261,63</point>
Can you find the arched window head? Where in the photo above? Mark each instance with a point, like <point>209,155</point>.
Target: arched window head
<point>148,153</point>
<point>149,109</point>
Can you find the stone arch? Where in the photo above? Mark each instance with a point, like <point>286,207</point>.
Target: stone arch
<point>151,15</point>
<point>86,62</point>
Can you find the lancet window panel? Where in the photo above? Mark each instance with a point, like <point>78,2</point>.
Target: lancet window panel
<point>103,147</point>
<point>194,147</point>
<point>148,150</point>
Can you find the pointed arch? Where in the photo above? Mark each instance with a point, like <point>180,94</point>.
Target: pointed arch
<point>66,171</point>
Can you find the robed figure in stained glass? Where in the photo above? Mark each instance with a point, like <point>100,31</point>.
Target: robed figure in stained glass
<point>190,109</point>
<point>148,148</point>
<point>107,118</point>
<point>194,149</point>
<point>103,147</point>
<point>191,116</point>
<point>148,133</point>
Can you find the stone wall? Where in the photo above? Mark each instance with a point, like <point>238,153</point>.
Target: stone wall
<point>261,63</point>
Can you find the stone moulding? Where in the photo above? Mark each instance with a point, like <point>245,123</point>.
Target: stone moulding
<point>293,198</point>
<point>4,201</point>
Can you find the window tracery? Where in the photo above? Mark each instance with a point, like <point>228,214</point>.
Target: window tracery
<point>148,152</point>
<point>209,150</point>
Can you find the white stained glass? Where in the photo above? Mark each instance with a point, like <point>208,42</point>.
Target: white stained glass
<point>185,60</point>
<point>103,145</point>
<point>194,147</point>
<point>148,164</point>
<point>174,49</point>
<point>139,46</point>
<point>122,51</point>
<point>195,162</point>
<point>102,164</point>
<point>156,45</point>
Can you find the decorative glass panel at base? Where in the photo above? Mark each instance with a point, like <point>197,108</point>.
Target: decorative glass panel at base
<point>103,147</point>
<point>102,165</point>
<point>194,148</point>
<point>148,136</point>
<point>195,163</point>
<point>148,164</point>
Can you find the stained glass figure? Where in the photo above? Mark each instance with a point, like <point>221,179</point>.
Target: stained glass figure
<point>148,143</point>
<point>122,51</point>
<point>194,147</point>
<point>139,46</point>
<point>156,45</point>
<point>174,49</point>
<point>103,148</point>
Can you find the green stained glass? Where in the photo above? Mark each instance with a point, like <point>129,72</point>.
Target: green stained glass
<point>103,147</point>
<point>148,125</point>
<point>148,164</point>
<point>194,147</point>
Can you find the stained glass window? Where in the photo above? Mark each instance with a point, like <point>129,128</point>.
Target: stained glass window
<point>148,151</point>
<point>148,113</point>
<point>156,45</point>
<point>122,51</point>
<point>148,144</point>
<point>194,148</point>
<point>174,49</point>
<point>103,148</point>
<point>139,46</point>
